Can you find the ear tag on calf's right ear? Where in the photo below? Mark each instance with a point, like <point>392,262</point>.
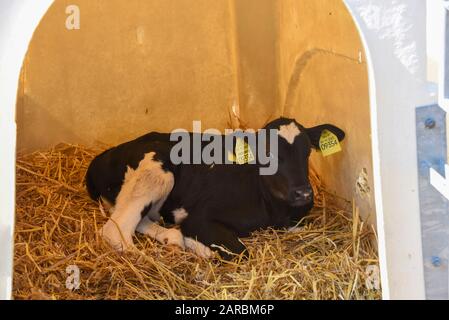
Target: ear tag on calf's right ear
<point>329,143</point>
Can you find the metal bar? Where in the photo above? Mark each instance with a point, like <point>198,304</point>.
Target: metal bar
<point>432,157</point>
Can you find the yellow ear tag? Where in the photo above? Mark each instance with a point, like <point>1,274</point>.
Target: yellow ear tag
<point>329,143</point>
<point>243,153</point>
<point>231,157</point>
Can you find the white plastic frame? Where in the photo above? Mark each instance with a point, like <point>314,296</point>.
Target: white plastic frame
<point>443,96</point>
<point>18,20</point>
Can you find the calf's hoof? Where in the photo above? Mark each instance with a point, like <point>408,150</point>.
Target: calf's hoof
<point>198,248</point>
<point>172,237</point>
<point>116,238</point>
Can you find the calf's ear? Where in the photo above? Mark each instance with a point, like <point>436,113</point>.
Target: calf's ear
<point>315,133</point>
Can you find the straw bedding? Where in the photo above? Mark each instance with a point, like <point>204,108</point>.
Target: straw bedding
<point>57,226</point>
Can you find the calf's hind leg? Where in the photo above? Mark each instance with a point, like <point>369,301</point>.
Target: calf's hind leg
<point>199,236</point>
<point>148,185</point>
<point>166,236</point>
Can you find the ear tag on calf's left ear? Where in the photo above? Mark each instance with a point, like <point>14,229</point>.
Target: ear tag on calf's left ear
<point>243,153</point>
<point>329,143</point>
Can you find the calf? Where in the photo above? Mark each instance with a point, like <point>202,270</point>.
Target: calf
<point>214,204</point>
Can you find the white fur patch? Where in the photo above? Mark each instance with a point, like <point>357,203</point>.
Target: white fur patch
<point>198,248</point>
<point>180,215</point>
<point>289,132</point>
<point>163,235</point>
<point>149,183</point>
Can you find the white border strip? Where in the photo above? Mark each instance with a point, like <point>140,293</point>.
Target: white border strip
<point>442,99</point>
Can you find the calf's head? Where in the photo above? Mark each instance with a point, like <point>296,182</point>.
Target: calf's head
<point>295,142</point>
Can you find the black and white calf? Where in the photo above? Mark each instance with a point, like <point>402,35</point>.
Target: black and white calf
<point>215,204</point>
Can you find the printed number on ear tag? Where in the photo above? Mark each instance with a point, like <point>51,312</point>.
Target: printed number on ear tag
<point>329,143</point>
<point>243,153</point>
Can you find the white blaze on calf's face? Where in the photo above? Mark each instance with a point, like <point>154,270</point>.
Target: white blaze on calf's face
<point>289,132</point>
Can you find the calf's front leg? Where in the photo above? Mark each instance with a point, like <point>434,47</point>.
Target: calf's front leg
<point>148,185</point>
